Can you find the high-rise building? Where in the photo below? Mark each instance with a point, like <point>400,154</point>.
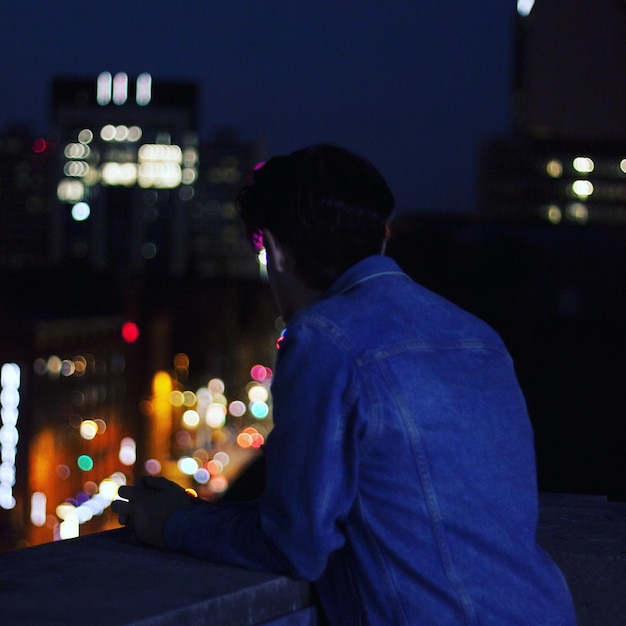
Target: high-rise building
<point>569,69</point>
<point>25,199</point>
<point>127,171</point>
<point>566,161</point>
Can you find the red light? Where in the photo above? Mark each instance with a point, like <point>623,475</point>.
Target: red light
<point>40,145</point>
<point>130,332</point>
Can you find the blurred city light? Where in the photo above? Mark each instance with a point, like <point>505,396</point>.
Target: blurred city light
<point>10,376</point>
<point>524,7</point>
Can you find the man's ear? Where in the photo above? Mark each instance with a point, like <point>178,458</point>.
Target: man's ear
<point>275,250</point>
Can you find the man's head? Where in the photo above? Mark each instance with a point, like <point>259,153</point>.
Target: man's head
<point>327,206</point>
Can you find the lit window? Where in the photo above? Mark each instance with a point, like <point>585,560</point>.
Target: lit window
<point>104,84</point>
<point>107,132</point>
<point>134,133</point>
<point>70,190</point>
<point>76,151</point>
<point>554,215</point>
<point>85,136</point>
<point>144,89</point>
<point>582,188</point>
<point>120,88</point>
<point>121,133</point>
<point>578,212</point>
<point>76,168</point>
<point>584,165</point>
<point>554,168</point>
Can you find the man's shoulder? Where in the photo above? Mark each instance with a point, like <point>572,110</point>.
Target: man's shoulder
<point>385,306</point>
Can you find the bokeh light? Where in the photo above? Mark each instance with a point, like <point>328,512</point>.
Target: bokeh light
<point>85,462</point>
<point>191,418</point>
<point>152,467</point>
<point>128,451</point>
<point>88,429</point>
<point>188,465</point>
<point>237,408</point>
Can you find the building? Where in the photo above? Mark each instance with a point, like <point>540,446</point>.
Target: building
<point>126,172</point>
<point>26,200</point>
<point>566,159</point>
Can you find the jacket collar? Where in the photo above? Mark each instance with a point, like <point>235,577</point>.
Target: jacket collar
<point>366,269</point>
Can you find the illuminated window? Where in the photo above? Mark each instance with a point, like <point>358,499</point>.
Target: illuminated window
<point>70,190</point>
<point>85,136</point>
<point>104,85</point>
<point>144,89</point>
<point>554,168</point>
<point>107,133</point>
<point>578,212</point>
<point>554,214</point>
<point>582,188</point>
<point>76,151</point>
<point>584,165</point>
<point>120,88</point>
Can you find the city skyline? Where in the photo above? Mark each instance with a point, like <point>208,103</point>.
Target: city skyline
<point>415,89</point>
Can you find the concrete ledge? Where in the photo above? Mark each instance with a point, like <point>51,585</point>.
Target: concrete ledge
<point>107,578</point>
<point>586,536</point>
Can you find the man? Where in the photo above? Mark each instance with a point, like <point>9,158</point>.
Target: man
<point>400,473</point>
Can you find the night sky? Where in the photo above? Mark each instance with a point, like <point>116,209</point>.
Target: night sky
<point>416,87</point>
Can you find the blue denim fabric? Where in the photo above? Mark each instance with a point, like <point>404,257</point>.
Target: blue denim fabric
<point>400,471</point>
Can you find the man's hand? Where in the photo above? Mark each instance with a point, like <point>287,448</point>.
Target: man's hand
<point>149,506</point>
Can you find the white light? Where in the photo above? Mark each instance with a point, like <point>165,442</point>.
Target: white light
<point>191,418</point>
<point>80,212</point>
<point>38,508</point>
<point>69,529</point>
<point>159,175</point>
<point>584,165</point>
<point>187,465</point>
<point>622,165</point>
<point>88,429</point>
<point>104,83</point>
<point>76,151</point>
<point>524,7</point>
<point>215,415</point>
<point>119,174</point>
<point>85,136</point>
<point>144,89</point>
<point>120,88</point>
<point>9,435</point>
<point>128,451</point>
<point>164,153</point>
<point>121,133</point>
<point>582,188</point>
<point>108,489</point>
<point>107,133</point>
<point>76,168</point>
<point>134,133</point>
<point>70,190</point>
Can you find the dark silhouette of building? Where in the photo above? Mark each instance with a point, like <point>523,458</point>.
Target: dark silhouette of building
<point>566,161</point>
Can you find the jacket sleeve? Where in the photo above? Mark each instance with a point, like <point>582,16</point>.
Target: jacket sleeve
<point>312,469</point>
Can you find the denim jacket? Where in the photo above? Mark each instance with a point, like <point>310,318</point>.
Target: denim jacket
<point>400,470</point>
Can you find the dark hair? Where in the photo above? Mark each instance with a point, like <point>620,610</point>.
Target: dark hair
<point>326,205</point>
